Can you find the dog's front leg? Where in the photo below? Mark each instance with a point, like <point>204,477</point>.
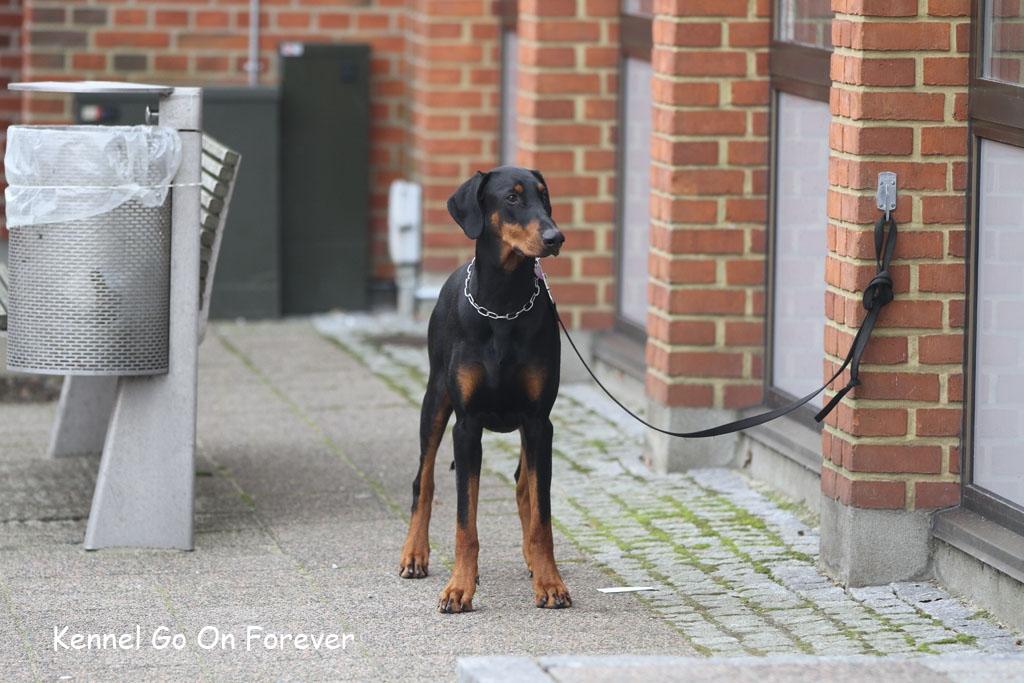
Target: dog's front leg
<point>548,588</point>
<point>436,410</point>
<point>523,499</point>
<point>457,596</point>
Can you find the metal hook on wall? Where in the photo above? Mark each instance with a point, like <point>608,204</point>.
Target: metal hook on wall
<point>885,195</point>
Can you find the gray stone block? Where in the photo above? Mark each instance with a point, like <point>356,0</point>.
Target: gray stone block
<point>493,669</point>
<point>861,547</point>
<point>673,454</point>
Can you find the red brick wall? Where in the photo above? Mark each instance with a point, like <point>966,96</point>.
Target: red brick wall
<point>568,112</point>
<point>899,103</point>
<point>453,72</point>
<point>10,70</point>
<point>206,42</point>
<point>708,202</point>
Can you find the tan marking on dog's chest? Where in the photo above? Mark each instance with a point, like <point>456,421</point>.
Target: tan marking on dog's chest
<point>533,381</point>
<point>468,378</point>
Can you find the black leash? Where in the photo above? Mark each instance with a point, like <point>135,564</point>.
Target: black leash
<point>877,294</point>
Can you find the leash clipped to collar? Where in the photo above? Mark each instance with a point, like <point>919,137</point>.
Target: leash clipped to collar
<point>877,294</point>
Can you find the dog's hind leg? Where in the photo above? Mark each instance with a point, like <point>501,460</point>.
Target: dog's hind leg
<point>457,595</point>
<point>548,587</point>
<point>437,408</point>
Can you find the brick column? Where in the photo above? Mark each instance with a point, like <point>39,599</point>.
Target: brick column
<point>454,58</point>
<point>899,103</point>
<point>568,110</point>
<point>708,210</point>
<point>10,70</point>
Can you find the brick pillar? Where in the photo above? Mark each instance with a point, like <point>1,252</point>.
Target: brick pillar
<point>568,110</point>
<point>10,70</point>
<point>454,58</point>
<point>708,210</point>
<point>899,103</point>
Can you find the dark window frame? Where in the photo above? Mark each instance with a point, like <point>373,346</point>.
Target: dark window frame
<point>636,42</point>
<point>803,71</point>
<point>996,113</point>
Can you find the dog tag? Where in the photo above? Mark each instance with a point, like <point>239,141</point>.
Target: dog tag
<point>538,273</point>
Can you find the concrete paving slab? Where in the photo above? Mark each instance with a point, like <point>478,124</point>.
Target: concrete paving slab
<point>662,669</point>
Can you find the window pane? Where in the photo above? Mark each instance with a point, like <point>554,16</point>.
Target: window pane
<point>509,77</point>
<point>807,22</point>
<point>998,453</point>
<point>636,189</point>
<point>643,8</point>
<point>801,217</point>
<point>1004,40</point>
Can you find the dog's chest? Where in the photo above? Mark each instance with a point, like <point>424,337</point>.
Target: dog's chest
<point>508,364</point>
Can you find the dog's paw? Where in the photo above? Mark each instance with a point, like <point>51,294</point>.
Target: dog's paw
<point>457,597</point>
<point>551,593</point>
<point>414,564</point>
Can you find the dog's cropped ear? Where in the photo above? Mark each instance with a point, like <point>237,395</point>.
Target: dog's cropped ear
<point>466,205</point>
<point>544,197</point>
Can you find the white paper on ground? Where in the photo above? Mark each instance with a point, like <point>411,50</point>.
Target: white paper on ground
<point>626,589</point>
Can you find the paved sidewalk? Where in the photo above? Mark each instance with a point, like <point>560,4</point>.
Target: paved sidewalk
<point>307,451</point>
<point>305,466</point>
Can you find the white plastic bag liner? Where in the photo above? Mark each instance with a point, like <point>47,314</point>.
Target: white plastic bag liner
<point>57,174</point>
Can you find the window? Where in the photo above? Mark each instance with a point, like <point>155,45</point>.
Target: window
<point>993,471</point>
<point>798,219</point>
<point>798,292</point>
<point>805,22</point>
<point>634,181</point>
<point>509,80</point>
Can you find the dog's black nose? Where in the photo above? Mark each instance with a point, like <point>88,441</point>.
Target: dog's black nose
<point>553,238</point>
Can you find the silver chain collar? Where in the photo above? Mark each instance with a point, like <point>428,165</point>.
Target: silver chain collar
<point>487,313</point>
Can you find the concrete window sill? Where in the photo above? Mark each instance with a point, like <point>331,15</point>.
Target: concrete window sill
<point>621,352</point>
<point>982,539</point>
<point>789,437</point>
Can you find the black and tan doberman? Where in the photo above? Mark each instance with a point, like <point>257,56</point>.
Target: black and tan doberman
<point>494,361</point>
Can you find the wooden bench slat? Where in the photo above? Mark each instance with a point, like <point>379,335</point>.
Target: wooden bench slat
<point>215,169</point>
<point>208,221</point>
<point>219,151</point>
<point>207,237</point>
<point>213,186</point>
<point>218,171</point>
<point>212,204</point>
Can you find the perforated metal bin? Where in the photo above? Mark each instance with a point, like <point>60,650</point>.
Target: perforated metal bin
<point>90,260</point>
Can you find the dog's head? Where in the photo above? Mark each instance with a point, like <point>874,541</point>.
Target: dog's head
<point>510,207</point>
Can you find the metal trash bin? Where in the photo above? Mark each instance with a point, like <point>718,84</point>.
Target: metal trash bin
<point>88,210</point>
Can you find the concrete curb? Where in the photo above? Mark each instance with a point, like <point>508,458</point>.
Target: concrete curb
<point>972,669</point>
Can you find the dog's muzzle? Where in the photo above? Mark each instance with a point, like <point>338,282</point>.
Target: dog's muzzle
<point>553,240</point>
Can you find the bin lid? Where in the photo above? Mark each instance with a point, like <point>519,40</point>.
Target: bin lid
<point>92,87</point>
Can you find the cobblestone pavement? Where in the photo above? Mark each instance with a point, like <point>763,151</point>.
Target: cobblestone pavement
<point>735,567</point>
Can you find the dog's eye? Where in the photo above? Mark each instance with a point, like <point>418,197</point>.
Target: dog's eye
<point>512,198</point>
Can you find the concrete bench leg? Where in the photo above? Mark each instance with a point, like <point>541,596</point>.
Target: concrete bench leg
<point>83,413</point>
<point>144,490</point>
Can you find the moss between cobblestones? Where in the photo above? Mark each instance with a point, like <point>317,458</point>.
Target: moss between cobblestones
<point>686,552</point>
<point>798,510</point>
